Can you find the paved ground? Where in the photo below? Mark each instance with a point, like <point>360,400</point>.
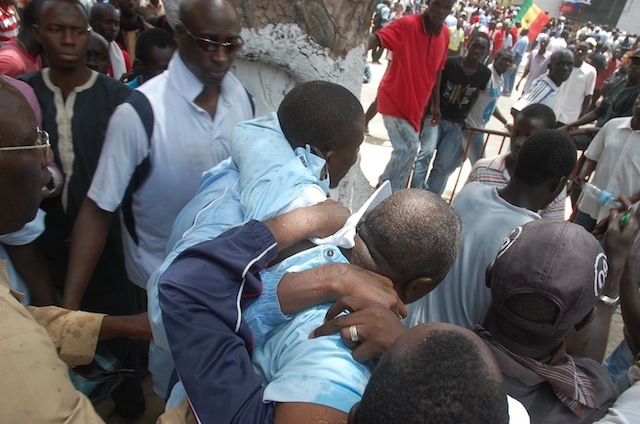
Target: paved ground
<point>375,152</point>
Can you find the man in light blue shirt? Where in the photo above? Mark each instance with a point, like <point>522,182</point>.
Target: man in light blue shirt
<point>518,50</point>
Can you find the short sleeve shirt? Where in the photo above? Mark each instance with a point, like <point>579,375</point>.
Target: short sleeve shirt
<point>457,89</point>
<point>185,142</point>
<point>580,84</point>
<point>616,148</point>
<point>15,61</point>
<point>487,101</point>
<point>417,57</point>
<point>543,90</point>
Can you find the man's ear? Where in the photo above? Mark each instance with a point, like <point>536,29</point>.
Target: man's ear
<point>36,33</point>
<point>179,34</point>
<point>417,288</point>
<point>138,65</point>
<point>328,156</point>
<point>353,414</point>
<point>558,185</point>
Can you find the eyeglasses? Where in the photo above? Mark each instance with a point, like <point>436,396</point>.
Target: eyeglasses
<point>211,46</point>
<point>41,143</point>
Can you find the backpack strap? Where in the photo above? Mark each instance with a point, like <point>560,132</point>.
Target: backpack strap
<point>253,104</point>
<point>143,108</point>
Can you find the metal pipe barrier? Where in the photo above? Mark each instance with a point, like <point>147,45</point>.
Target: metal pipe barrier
<point>487,134</point>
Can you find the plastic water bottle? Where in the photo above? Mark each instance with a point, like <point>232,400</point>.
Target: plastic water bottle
<point>603,197</point>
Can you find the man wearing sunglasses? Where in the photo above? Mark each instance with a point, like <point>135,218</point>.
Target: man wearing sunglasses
<point>34,341</point>
<point>194,106</point>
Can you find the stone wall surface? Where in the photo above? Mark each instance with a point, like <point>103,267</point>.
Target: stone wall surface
<point>288,42</point>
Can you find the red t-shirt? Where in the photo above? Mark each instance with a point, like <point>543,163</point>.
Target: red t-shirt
<point>417,57</point>
<point>15,61</point>
<point>514,34</point>
<point>498,41</point>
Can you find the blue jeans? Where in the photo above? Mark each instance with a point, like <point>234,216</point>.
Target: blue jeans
<point>477,144</point>
<point>404,139</point>
<point>510,78</point>
<point>446,137</point>
<point>619,361</point>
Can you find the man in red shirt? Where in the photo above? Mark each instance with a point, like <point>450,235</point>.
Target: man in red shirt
<point>419,44</point>
<point>498,39</point>
<point>22,55</point>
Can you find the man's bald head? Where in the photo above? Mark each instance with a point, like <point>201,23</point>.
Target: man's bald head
<point>560,65</point>
<point>194,8</point>
<point>412,236</point>
<point>435,372</point>
<point>105,20</point>
<point>203,21</point>
<point>22,172</point>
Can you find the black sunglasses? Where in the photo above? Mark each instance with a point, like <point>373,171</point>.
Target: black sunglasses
<point>212,46</point>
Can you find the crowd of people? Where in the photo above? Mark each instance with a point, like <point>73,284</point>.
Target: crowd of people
<point>138,185</point>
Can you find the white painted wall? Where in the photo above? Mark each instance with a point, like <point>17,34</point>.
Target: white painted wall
<point>551,6</point>
<point>630,19</point>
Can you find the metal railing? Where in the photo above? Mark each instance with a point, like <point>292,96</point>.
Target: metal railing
<point>487,138</point>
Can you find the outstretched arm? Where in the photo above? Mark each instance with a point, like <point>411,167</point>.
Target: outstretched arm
<point>87,242</point>
<point>203,294</point>
<point>373,42</point>
<point>591,341</point>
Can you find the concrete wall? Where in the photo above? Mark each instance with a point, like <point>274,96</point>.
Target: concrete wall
<point>630,19</point>
<point>550,6</point>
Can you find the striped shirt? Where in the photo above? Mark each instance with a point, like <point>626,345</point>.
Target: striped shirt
<point>493,172</point>
<point>8,24</point>
<point>542,90</point>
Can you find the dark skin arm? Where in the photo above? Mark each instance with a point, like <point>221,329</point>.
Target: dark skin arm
<point>584,119</point>
<point>373,42</point>
<point>301,290</point>
<point>527,68</point>
<point>32,267</point>
<point>591,341</point>
<point>585,172</point>
<point>630,304</point>
<point>308,413</point>
<point>132,326</point>
<point>585,105</point>
<point>328,283</point>
<point>87,241</point>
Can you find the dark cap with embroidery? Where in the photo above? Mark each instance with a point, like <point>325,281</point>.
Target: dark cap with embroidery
<point>558,262</point>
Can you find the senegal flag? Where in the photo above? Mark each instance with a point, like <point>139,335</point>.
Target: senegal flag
<point>528,13</point>
<point>532,17</point>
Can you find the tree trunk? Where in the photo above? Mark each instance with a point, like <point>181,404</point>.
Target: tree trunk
<point>288,42</point>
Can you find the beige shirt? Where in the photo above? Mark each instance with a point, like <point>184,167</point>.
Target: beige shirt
<point>33,344</point>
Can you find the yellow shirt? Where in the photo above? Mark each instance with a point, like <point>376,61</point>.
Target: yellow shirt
<point>456,37</point>
<point>33,344</point>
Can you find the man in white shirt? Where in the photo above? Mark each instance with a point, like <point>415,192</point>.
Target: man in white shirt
<point>575,93</point>
<point>486,105</point>
<point>614,154</point>
<point>545,89</point>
